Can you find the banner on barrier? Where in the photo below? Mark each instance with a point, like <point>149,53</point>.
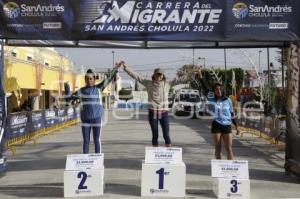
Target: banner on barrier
<point>179,20</point>
<point>61,115</point>
<point>37,120</point>
<point>71,113</point>
<point>51,117</point>
<point>18,124</point>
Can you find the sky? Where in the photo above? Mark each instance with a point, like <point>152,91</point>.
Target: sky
<point>144,61</point>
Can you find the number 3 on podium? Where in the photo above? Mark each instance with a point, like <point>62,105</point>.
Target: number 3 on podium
<point>234,187</point>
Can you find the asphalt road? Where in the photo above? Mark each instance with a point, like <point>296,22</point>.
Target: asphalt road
<point>36,171</point>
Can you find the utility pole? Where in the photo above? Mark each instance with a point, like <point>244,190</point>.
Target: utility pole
<point>269,78</point>
<point>225,79</point>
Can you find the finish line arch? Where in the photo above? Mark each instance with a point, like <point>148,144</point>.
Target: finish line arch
<point>160,24</point>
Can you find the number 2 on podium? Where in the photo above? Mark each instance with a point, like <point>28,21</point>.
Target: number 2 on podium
<point>83,176</point>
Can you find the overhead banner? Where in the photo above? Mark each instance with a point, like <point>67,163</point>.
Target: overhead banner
<point>173,20</point>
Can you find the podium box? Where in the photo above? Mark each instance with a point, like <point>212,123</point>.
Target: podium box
<point>163,180</point>
<point>84,175</point>
<point>231,188</point>
<point>163,172</point>
<point>230,178</point>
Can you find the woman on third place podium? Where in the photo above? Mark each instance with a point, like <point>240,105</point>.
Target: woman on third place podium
<point>158,91</point>
<point>221,109</point>
<point>91,106</point>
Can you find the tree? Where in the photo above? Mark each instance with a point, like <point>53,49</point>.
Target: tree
<point>211,76</point>
<point>125,94</point>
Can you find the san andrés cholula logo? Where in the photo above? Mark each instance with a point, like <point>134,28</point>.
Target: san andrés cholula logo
<point>12,10</point>
<point>240,10</point>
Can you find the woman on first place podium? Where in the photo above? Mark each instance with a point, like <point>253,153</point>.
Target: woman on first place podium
<point>158,91</point>
<point>91,106</point>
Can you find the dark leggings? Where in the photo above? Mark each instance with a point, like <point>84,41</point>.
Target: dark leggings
<point>87,125</point>
<point>163,118</point>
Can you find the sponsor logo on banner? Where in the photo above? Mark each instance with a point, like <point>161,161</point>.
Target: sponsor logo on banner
<point>11,10</point>
<point>18,120</point>
<point>240,10</point>
<point>70,113</point>
<point>153,16</point>
<point>52,25</point>
<point>156,191</point>
<point>50,114</point>
<point>278,25</point>
<point>33,9</point>
<point>37,116</point>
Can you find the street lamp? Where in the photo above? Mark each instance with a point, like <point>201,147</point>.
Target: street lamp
<point>203,58</point>
<point>259,52</point>
<point>113,58</point>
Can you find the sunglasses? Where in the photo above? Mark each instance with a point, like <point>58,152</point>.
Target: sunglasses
<point>159,74</point>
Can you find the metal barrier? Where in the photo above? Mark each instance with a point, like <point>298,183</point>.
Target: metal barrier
<point>24,127</point>
<point>269,127</point>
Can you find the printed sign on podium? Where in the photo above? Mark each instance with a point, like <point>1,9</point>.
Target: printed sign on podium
<point>84,161</point>
<point>230,178</point>
<point>163,155</point>
<point>84,175</point>
<point>230,169</point>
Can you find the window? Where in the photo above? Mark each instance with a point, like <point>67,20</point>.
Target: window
<point>14,54</point>
<point>46,64</point>
<point>29,58</point>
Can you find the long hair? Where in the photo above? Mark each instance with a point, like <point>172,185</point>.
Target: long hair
<point>223,97</point>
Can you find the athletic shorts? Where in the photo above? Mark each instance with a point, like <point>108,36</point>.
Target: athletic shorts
<point>219,128</point>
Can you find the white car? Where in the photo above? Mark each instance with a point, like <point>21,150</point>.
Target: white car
<point>188,101</point>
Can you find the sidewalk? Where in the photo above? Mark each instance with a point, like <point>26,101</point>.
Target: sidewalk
<point>36,171</point>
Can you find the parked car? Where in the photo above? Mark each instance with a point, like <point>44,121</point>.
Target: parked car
<point>188,101</point>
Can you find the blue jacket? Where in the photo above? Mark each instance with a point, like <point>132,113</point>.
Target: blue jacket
<point>91,99</point>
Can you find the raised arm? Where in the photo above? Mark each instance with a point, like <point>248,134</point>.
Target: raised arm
<point>198,74</point>
<point>102,85</point>
<point>68,95</point>
<point>133,74</point>
<point>176,81</point>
